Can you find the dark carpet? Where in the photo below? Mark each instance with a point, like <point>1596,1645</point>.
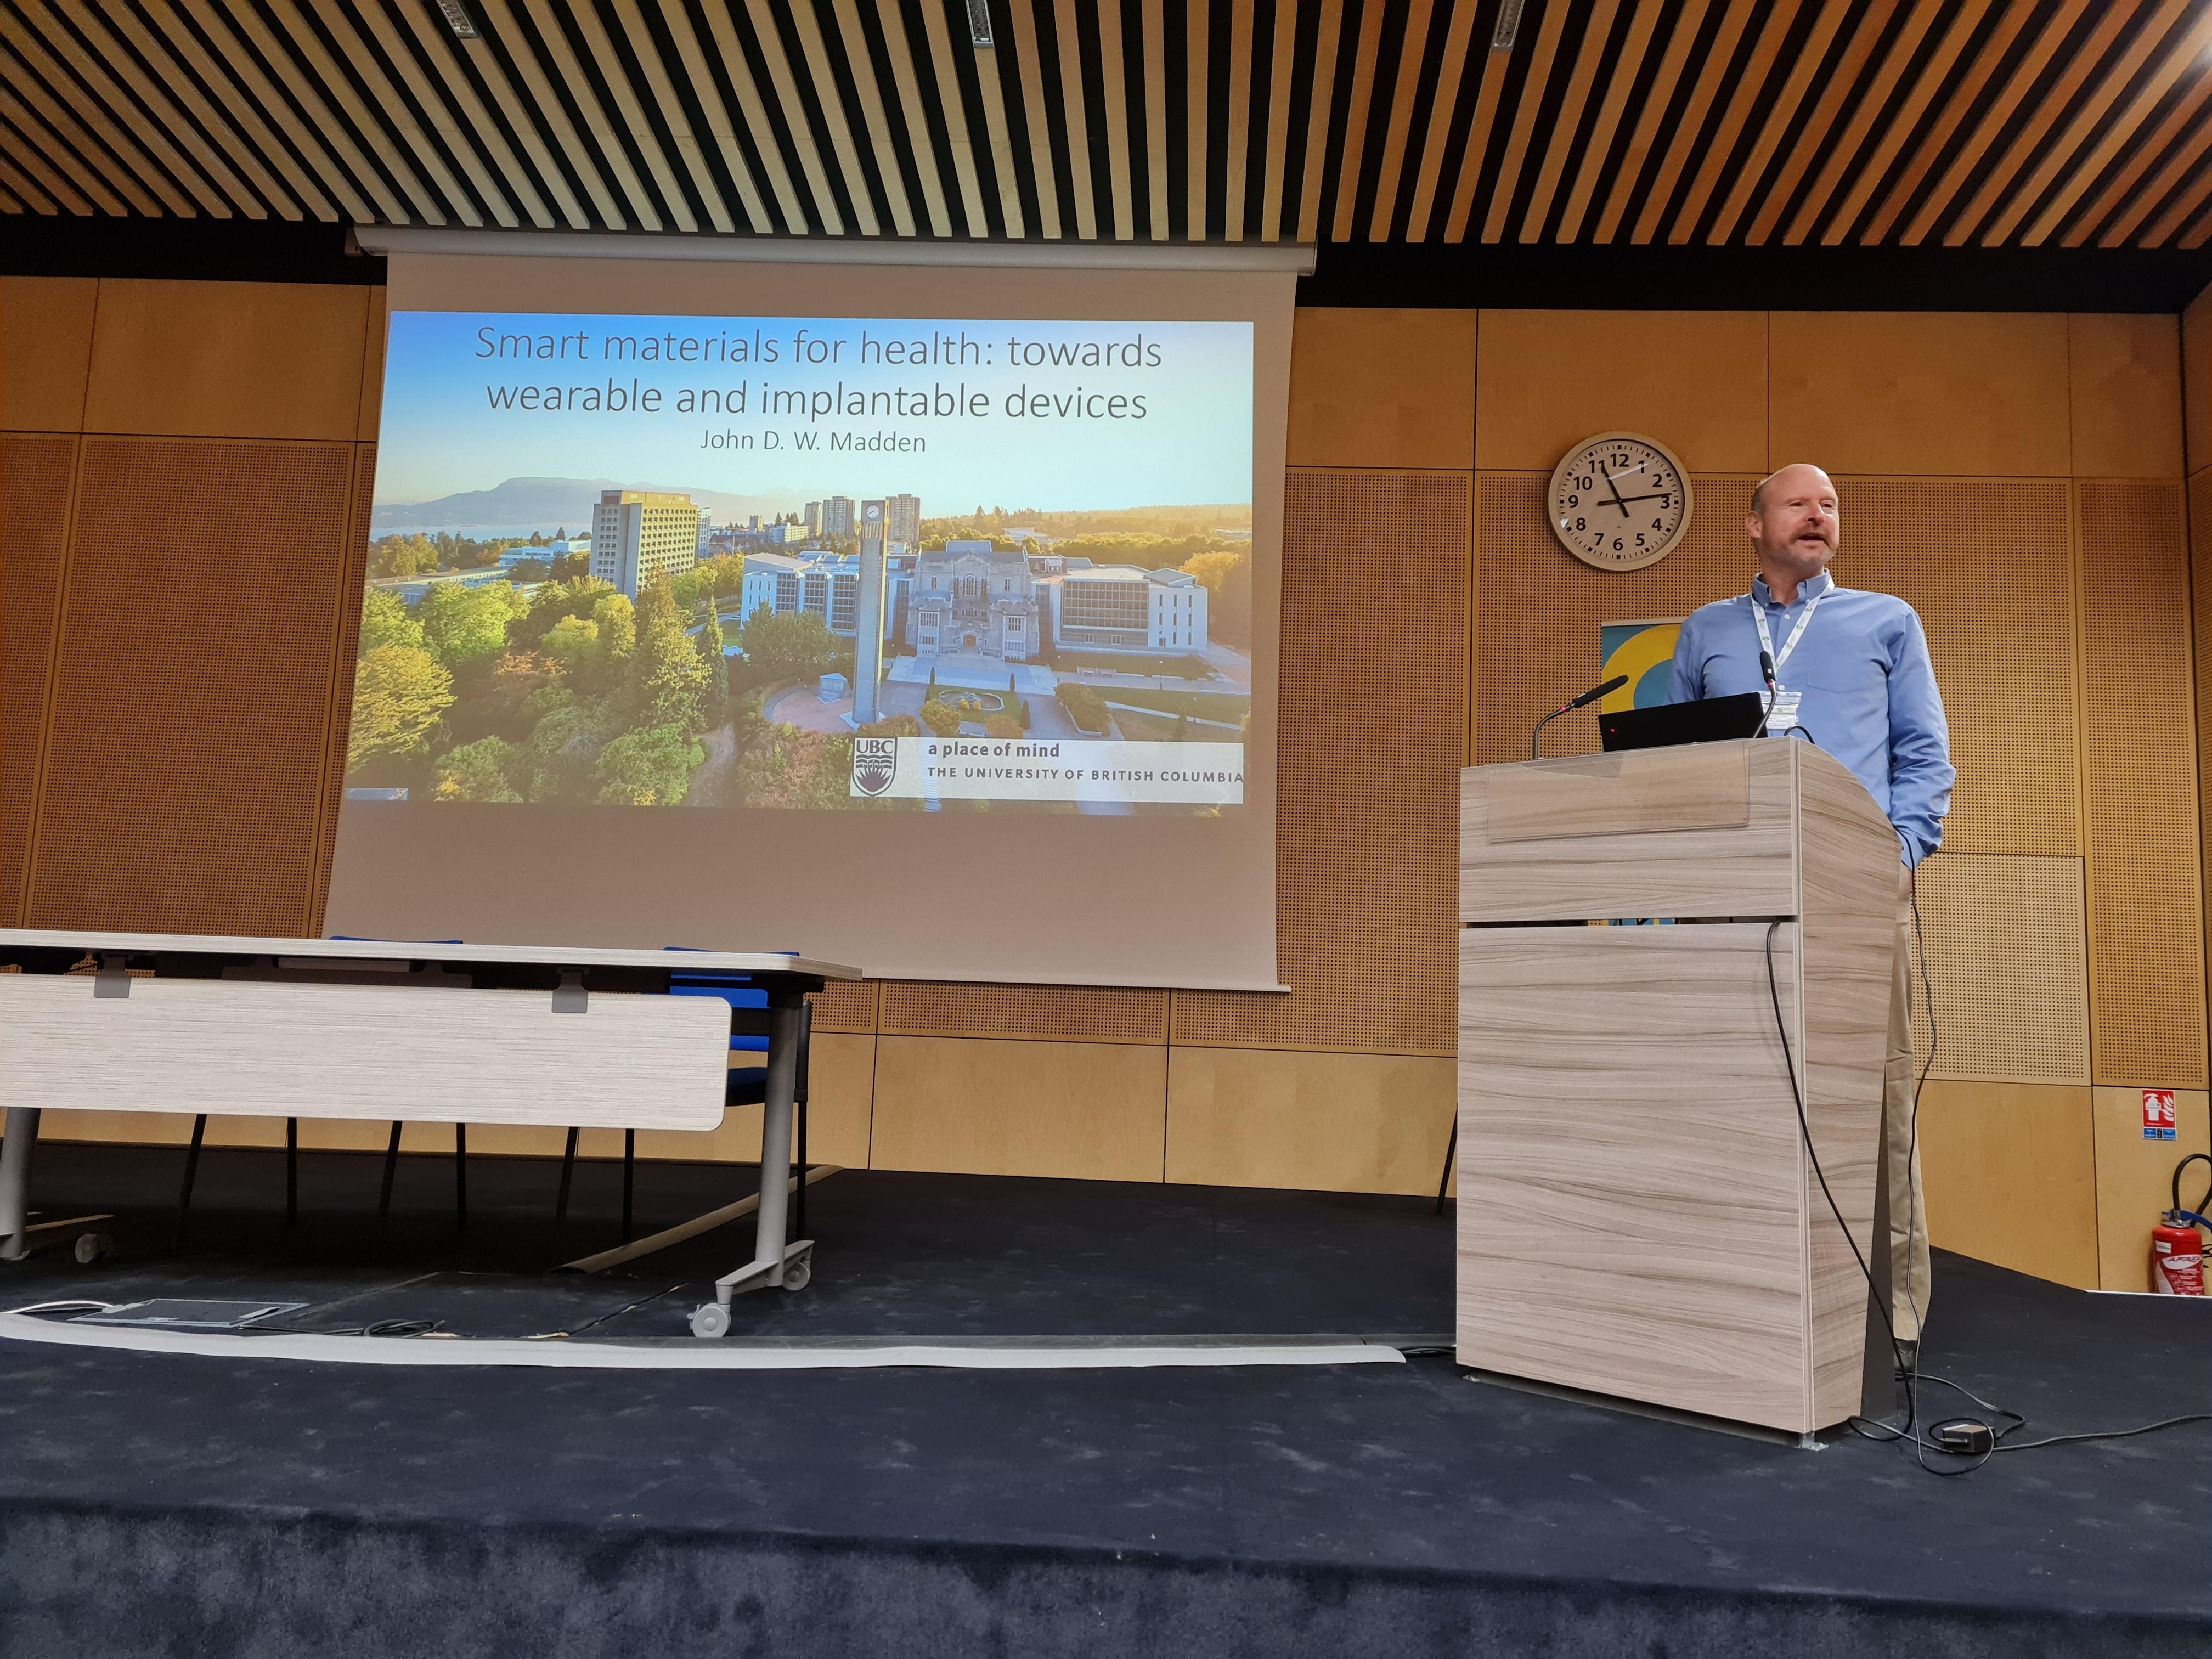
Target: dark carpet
<point>173,1506</point>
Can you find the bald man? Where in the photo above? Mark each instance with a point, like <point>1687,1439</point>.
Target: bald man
<point>1852,670</point>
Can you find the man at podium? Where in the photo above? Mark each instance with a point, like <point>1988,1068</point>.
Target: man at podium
<point>1850,670</point>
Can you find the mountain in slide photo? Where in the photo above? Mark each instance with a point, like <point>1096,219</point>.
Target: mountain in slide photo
<point>549,501</point>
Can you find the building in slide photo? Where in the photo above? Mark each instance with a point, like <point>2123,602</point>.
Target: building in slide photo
<point>970,599</point>
<point>1118,607</point>
<point>637,535</point>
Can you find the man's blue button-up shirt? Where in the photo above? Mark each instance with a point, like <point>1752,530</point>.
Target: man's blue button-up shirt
<point>1868,686</point>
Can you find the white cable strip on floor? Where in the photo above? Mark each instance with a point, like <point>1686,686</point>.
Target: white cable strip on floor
<point>704,1356</point>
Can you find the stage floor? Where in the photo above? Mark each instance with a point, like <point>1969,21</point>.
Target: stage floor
<point>159,1503</point>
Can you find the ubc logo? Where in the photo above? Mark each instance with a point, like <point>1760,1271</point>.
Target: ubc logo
<point>875,763</point>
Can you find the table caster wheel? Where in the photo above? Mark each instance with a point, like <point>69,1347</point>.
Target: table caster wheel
<point>796,1273</point>
<point>710,1320</point>
<point>90,1246</point>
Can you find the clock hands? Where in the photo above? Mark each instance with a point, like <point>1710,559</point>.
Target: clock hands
<point>1615,489</point>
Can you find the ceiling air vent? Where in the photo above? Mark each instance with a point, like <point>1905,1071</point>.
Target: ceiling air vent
<point>979,22</point>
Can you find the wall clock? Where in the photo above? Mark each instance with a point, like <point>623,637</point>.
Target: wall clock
<point>1620,501</point>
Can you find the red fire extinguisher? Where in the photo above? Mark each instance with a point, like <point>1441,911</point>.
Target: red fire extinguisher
<point>2177,1250</point>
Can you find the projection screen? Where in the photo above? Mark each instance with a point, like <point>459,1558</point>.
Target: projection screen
<point>921,616</point>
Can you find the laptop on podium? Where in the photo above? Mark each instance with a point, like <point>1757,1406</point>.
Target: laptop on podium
<point>1709,719</point>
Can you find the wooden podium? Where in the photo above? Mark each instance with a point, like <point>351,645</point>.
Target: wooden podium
<point>1637,1216</point>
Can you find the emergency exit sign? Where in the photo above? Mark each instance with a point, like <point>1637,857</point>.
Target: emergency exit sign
<point>2157,1114</point>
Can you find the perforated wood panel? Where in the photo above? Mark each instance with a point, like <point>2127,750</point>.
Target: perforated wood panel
<point>199,634</point>
<point>1991,586</point>
<point>1374,654</point>
<point>845,1005</point>
<point>2200,588</point>
<point>36,472</point>
<point>1065,1013</point>
<point>2009,956</point>
<point>2146,941</point>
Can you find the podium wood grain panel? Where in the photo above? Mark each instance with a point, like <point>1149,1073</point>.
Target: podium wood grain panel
<point>1630,1190</point>
<point>429,1053</point>
<point>1594,865</point>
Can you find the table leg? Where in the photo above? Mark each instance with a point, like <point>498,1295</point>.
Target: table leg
<point>774,1261</point>
<point>16,1180</point>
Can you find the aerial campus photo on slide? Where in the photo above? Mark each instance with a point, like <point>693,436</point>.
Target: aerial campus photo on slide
<point>831,564</point>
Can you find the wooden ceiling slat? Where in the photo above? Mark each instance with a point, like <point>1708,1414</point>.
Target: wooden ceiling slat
<point>564,208</point>
<point>1736,117</point>
<point>131,177</point>
<point>1004,163</point>
<point>1405,91</point>
<point>12,203</point>
<point>32,174</point>
<point>1153,49</point>
<point>627,116</point>
<point>1194,123</point>
<point>559,63</point>
<point>2176,59</point>
<point>2181,144</point>
<point>1841,162</point>
<point>1811,59</point>
<point>1315,170</point>
<point>1996,123</point>
<point>699,71</point>
<point>2088,74</point>
<point>1075,120</point>
<point>927,166</point>
<point>1597,36</point>
<point>661,79</point>
<point>1642,21</point>
<point>29,194</point>
<point>157,126</point>
<point>495,184</point>
<point>1656,102</point>
<point>1114,73</point>
<point>1489,93</point>
<point>947,82</point>
<point>1345,171</point>
<point>330,102</point>
<point>1935,145</point>
<point>93,100</point>
<point>237,152</point>
<point>1683,149</point>
<point>861,67</point>
<point>1239,47</point>
<point>1028,64</point>
<point>378,113</point>
<point>2194,230</point>
<point>1866,177</point>
<point>1451,70</point>
<point>72,189</point>
<point>359,189</point>
<point>783,85</point>
<point>1272,183</point>
<point>237,105</point>
<point>546,114</point>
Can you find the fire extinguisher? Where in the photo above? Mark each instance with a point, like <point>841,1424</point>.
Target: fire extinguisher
<point>2177,1252</point>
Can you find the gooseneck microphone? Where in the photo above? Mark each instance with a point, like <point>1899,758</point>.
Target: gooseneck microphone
<point>1766,673</point>
<point>1536,737</point>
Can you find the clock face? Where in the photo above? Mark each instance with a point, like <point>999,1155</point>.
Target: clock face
<point>1620,501</point>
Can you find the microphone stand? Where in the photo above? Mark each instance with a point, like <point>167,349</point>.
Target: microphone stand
<point>1766,673</point>
<point>1536,737</point>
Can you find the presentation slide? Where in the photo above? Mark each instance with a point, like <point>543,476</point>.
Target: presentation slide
<point>880,564</point>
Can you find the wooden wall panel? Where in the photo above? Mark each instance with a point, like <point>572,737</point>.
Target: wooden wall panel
<point>840,1082</point>
<point>2008,956</point>
<point>2146,914</point>
<point>193,663</point>
<point>1065,1013</point>
<point>233,359</point>
<point>2124,387</point>
<point>2135,1179</point>
<point>1093,1111</point>
<point>1696,380</point>
<point>1372,716</point>
<point>370,411</point>
<point>1360,1123</point>
<point>1975,394</point>
<point>2197,380</point>
<point>46,351</point>
<point>38,477</point>
<point>1382,389</point>
<point>1993,588</point>
<point>845,1005</point>
<point>2010,1174</point>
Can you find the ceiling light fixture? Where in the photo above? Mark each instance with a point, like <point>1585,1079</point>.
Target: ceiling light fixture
<point>458,19</point>
<point>979,23</point>
<point>1509,25</point>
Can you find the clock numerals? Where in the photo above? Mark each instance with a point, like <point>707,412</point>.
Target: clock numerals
<point>1620,502</point>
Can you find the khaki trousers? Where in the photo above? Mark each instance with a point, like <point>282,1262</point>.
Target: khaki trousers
<point>1908,1207</point>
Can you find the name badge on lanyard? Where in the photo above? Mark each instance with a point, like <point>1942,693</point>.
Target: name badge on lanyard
<point>1786,702</point>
